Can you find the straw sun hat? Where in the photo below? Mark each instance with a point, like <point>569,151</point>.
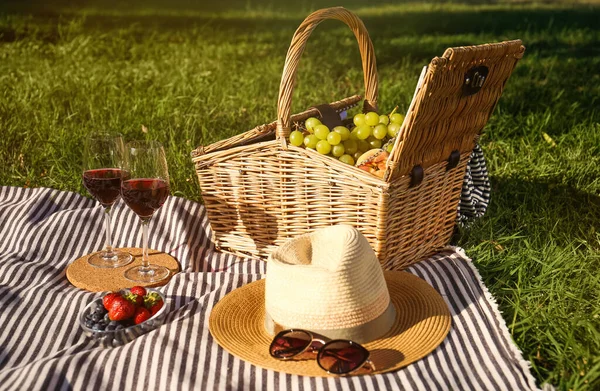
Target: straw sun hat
<point>329,282</point>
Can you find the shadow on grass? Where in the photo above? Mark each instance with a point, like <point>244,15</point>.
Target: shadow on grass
<point>558,212</point>
<point>394,36</point>
<point>504,23</point>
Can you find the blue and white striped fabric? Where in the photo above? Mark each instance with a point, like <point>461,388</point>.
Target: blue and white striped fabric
<point>43,348</point>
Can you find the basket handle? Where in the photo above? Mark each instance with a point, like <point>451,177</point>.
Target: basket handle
<point>292,59</point>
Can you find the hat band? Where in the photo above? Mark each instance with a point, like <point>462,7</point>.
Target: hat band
<point>363,333</point>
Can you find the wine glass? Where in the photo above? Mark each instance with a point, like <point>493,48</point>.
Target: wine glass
<point>102,160</point>
<point>144,191</point>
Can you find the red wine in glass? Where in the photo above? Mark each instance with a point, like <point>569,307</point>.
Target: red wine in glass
<point>104,184</point>
<point>145,190</point>
<point>102,176</point>
<point>144,196</point>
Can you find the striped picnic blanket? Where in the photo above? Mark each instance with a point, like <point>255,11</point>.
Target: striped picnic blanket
<point>42,347</point>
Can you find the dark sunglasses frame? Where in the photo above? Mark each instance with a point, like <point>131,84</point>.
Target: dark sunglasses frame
<point>366,364</point>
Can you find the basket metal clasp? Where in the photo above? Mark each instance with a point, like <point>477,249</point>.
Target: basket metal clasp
<point>453,160</point>
<point>474,79</point>
<point>416,176</point>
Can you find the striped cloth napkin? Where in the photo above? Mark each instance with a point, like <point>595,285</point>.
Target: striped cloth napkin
<point>43,348</point>
<point>475,192</point>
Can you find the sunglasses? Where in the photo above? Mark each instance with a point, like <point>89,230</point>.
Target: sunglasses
<point>337,357</point>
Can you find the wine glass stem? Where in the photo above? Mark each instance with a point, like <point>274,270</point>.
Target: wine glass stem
<point>145,261</point>
<point>108,250</point>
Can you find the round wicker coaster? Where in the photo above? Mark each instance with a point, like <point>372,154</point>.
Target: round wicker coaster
<point>422,323</point>
<point>85,276</point>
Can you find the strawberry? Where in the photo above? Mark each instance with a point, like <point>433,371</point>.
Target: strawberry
<point>153,302</point>
<point>156,307</point>
<point>151,298</point>
<point>141,315</point>
<point>139,300</point>
<point>138,290</point>
<point>136,300</point>
<point>121,309</point>
<point>109,298</point>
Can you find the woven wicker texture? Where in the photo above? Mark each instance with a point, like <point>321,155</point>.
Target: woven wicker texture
<point>259,191</point>
<point>442,118</point>
<point>296,49</point>
<point>422,323</point>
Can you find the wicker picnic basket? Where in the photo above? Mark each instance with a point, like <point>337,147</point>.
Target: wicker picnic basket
<point>260,191</point>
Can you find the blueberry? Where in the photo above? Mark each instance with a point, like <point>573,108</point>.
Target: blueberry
<point>110,327</point>
<point>100,309</point>
<point>106,318</point>
<point>114,323</point>
<point>119,327</point>
<point>97,317</point>
<point>89,323</point>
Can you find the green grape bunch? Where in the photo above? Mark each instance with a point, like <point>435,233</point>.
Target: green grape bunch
<point>368,131</point>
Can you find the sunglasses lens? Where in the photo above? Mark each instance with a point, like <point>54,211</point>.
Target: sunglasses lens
<point>289,343</point>
<point>340,357</point>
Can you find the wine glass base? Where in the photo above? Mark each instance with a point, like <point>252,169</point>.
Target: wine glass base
<point>152,273</point>
<point>119,258</point>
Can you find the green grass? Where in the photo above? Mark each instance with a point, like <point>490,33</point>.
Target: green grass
<point>195,74</point>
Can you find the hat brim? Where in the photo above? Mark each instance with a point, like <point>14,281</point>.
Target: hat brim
<point>422,323</point>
